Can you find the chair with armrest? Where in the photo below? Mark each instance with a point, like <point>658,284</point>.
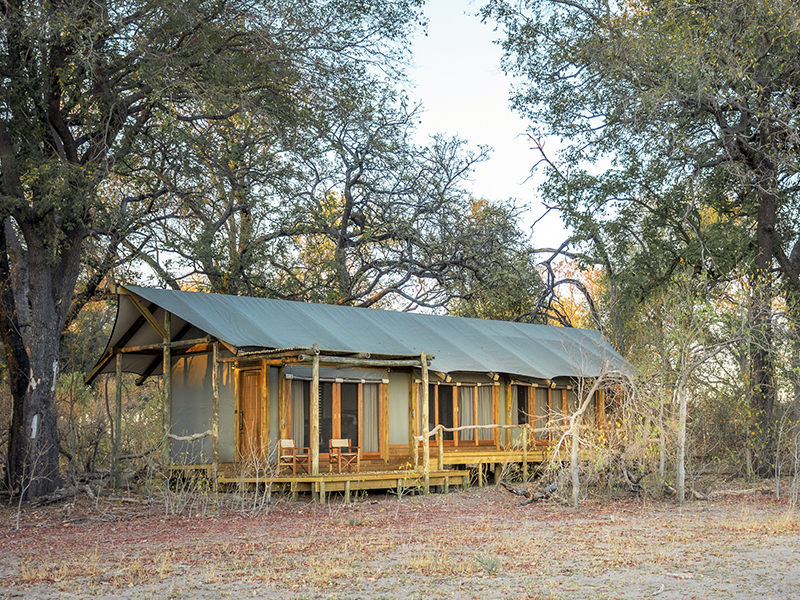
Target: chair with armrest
<point>293,457</point>
<point>343,455</point>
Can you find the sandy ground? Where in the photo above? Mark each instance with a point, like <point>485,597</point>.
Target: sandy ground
<point>473,544</point>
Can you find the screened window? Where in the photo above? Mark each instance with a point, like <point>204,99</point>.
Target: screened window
<point>546,409</point>
<point>520,409</point>
<point>346,410</point>
<point>465,405</point>
<point>542,412</point>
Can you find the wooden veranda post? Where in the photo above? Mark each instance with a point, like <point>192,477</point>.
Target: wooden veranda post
<point>167,392</point>
<point>426,441</point>
<point>508,434</point>
<point>413,407</point>
<point>525,438</point>
<point>440,461</point>
<point>118,423</point>
<point>215,409</point>
<point>315,411</point>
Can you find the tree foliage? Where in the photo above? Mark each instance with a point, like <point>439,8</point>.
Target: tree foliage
<point>682,121</point>
<point>353,212</point>
<point>93,93</point>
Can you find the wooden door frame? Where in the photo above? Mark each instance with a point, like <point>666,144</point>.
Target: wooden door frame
<point>263,391</point>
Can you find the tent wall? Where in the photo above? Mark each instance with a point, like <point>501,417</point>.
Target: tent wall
<point>274,417</point>
<point>192,407</point>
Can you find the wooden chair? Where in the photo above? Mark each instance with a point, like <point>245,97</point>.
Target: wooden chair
<point>342,454</point>
<point>296,458</point>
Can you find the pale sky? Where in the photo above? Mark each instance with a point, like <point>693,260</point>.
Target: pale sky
<point>464,92</point>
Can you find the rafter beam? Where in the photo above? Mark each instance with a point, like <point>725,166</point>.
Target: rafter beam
<point>149,317</point>
<point>157,361</point>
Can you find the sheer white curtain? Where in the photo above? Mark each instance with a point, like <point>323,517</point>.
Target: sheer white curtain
<point>370,422</point>
<point>542,411</point>
<point>485,416</point>
<point>298,413</point>
<point>466,413</point>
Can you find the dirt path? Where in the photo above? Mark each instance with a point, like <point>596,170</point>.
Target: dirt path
<point>473,544</point>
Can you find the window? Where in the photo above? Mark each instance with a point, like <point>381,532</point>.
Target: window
<point>545,408</point>
<point>520,410</point>
<point>464,405</point>
<point>346,410</point>
<point>542,412</point>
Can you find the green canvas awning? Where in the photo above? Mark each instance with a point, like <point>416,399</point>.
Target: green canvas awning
<point>458,344</point>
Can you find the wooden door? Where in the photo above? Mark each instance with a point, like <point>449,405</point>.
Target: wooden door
<point>251,407</point>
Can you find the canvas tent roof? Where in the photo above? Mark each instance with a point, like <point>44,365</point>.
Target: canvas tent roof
<point>458,344</point>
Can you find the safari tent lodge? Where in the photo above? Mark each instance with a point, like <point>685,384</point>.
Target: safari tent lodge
<point>324,398</point>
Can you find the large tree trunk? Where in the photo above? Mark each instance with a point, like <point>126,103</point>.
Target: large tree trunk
<point>16,359</point>
<point>52,271</point>
<point>762,385</point>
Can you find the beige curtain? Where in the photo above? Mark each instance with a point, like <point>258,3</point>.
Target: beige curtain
<point>298,413</point>
<point>419,409</point>
<point>590,417</point>
<point>515,405</point>
<point>466,414</point>
<point>370,423</point>
<point>485,416</point>
<point>541,413</point>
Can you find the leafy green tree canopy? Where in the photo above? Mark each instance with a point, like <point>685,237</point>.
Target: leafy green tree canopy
<point>90,94</point>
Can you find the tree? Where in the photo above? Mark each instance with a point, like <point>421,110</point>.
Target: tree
<point>354,212</point>
<point>706,92</point>
<point>504,284</point>
<point>89,90</point>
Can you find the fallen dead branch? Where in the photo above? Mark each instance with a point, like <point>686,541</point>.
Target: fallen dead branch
<point>64,493</point>
<point>127,500</point>
<point>698,495</point>
<point>541,492</point>
<point>632,481</point>
<point>761,490</point>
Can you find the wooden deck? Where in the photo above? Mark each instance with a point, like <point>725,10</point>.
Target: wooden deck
<point>320,486</point>
<point>399,475</point>
<point>323,484</point>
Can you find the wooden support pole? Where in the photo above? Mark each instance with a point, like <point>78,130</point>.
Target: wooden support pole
<point>118,424</point>
<point>446,485</point>
<point>167,392</point>
<point>440,462</point>
<point>413,406</point>
<point>525,453</point>
<point>315,412</point>
<point>347,491</point>
<point>426,442</point>
<point>322,491</point>
<point>508,434</point>
<point>215,410</point>
<point>266,424</point>
<point>480,474</point>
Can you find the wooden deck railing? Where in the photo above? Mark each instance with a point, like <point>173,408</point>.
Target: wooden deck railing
<point>527,433</point>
